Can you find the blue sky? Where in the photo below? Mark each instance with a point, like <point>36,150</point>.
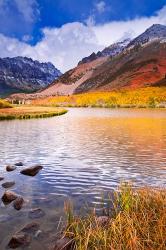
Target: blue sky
<point>64,31</point>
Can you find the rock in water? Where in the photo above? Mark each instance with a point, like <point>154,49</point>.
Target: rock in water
<point>18,203</point>
<point>8,184</point>
<point>64,244</point>
<point>8,197</point>
<point>36,213</point>
<point>1,178</point>
<point>19,240</point>
<point>31,171</point>
<point>19,164</point>
<point>31,228</point>
<point>10,168</point>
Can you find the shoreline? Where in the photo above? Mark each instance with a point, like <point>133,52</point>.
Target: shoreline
<point>132,218</point>
<point>31,112</point>
<point>107,107</point>
<point>151,97</point>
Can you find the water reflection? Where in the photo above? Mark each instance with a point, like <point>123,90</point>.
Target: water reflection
<point>84,153</point>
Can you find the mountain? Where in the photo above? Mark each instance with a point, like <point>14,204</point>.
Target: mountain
<point>156,31</point>
<point>24,74</point>
<point>136,68</point>
<point>141,63</point>
<point>112,50</point>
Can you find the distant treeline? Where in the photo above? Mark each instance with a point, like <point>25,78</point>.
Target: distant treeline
<point>150,97</point>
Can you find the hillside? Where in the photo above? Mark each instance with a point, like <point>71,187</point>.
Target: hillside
<point>24,74</point>
<point>112,50</point>
<point>140,63</point>
<point>139,67</point>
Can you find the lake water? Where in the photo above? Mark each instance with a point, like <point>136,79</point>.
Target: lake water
<point>85,153</point>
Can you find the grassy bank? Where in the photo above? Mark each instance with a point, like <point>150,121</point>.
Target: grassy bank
<point>4,104</point>
<point>141,98</point>
<point>25,112</point>
<point>136,221</point>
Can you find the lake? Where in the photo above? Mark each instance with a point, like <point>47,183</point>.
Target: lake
<point>85,154</point>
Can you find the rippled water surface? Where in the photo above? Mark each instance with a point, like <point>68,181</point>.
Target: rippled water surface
<point>84,153</point>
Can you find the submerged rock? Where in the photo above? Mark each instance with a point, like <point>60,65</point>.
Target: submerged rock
<point>18,203</point>
<point>23,237</point>
<point>2,178</point>
<point>31,228</point>
<point>19,240</point>
<point>31,171</point>
<point>8,197</point>
<point>64,244</point>
<point>8,184</point>
<point>10,168</point>
<point>19,164</point>
<point>5,218</point>
<point>36,213</point>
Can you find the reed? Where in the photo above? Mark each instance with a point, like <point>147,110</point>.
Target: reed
<point>137,222</point>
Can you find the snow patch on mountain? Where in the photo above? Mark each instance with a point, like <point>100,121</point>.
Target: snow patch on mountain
<point>155,32</point>
<point>112,50</point>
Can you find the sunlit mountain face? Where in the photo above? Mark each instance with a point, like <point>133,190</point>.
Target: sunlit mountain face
<point>96,47</point>
<point>130,64</point>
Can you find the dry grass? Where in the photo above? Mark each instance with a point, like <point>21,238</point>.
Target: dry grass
<point>141,98</point>
<point>28,112</point>
<point>4,104</point>
<point>137,222</point>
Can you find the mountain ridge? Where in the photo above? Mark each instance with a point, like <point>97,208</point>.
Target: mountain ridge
<point>112,50</point>
<point>25,74</point>
<point>155,35</point>
<point>141,63</point>
<point>156,31</point>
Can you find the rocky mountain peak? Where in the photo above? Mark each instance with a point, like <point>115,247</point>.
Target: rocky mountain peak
<point>112,50</point>
<point>25,74</point>
<point>156,31</point>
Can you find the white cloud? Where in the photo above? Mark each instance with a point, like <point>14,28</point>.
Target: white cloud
<point>26,8</point>
<point>27,38</point>
<point>90,21</point>
<point>66,45</point>
<point>100,6</point>
<point>114,31</point>
<point>63,46</point>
